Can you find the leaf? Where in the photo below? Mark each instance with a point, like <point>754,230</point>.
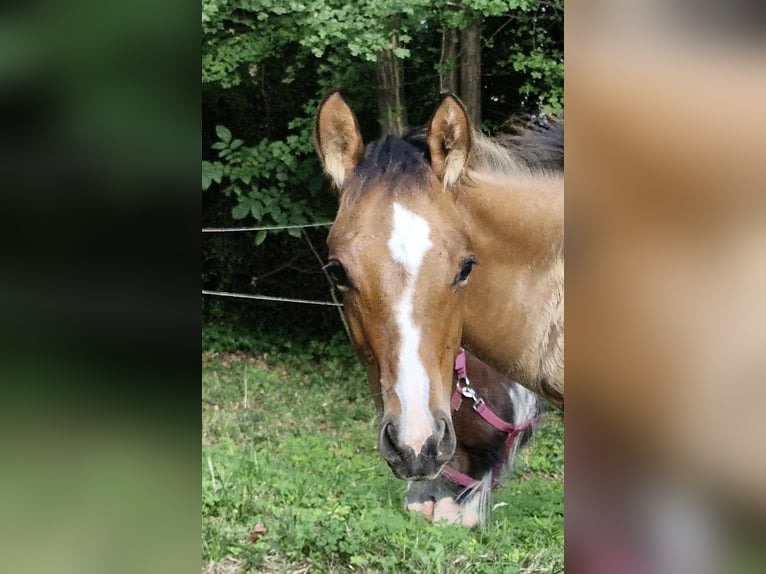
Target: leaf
<point>241,210</point>
<point>217,172</point>
<point>207,177</point>
<point>401,53</point>
<point>294,232</point>
<point>211,172</point>
<point>260,236</point>
<point>223,133</point>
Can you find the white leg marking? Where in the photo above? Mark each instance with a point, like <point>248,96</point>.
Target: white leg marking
<point>467,514</point>
<point>408,244</point>
<point>425,508</point>
<point>447,509</point>
<point>471,511</point>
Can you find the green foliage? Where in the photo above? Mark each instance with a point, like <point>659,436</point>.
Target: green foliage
<point>289,442</point>
<point>237,34</point>
<point>544,79</point>
<point>266,65</point>
<point>264,178</point>
<point>527,47</point>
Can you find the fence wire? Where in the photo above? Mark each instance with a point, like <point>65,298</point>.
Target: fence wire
<point>270,298</point>
<point>264,228</point>
<point>304,226</point>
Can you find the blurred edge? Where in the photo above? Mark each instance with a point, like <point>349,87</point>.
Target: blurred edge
<point>665,217</point>
<point>666,275</point>
<point>99,400</point>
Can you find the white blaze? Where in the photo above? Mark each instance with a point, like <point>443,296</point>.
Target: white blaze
<point>408,244</point>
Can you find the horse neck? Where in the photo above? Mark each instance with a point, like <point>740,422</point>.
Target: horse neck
<point>515,310</point>
<point>523,210</point>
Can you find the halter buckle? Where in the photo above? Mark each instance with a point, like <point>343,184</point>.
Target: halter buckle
<point>468,392</point>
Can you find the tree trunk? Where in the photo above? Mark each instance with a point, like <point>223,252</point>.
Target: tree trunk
<point>470,70</point>
<point>392,114</point>
<point>448,63</point>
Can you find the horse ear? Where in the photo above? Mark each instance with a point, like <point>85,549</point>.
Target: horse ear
<point>337,139</point>
<point>449,139</point>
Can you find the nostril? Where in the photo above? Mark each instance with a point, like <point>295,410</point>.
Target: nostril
<point>441,430</point>
<point>387,441</point>
<point>391,433</point>
<point>446,444</point>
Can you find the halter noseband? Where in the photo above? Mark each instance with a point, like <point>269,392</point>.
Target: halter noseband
<point>463,389</point>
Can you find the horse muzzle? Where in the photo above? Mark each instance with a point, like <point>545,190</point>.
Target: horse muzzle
<point>434,454</point>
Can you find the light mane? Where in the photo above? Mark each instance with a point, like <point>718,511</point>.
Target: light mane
<point>536,150</point>
<point>529,148</point>
<point>486,155</point>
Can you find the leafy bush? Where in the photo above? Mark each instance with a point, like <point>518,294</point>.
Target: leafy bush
<point>263,180</point>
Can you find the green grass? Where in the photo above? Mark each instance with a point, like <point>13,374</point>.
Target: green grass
<point>289,442</point>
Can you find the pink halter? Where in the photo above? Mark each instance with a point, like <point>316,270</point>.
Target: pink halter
<point>463,389</point>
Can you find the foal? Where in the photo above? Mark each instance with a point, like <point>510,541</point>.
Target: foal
<point>462,493</point>
<point>415,216</point>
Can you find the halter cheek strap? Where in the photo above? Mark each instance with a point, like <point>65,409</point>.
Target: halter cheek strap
<point>463,389</point>
<point>460,369</point>
<point>461,479</point>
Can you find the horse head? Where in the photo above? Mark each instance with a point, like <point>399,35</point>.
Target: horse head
<point>400,254</point>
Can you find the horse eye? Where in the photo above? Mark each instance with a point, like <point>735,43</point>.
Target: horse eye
<point>337,275</point>
<point>465,270</point>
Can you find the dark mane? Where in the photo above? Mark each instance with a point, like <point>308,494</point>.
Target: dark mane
<point>538,141</point>
<point>400,164</point>
<point>393,162</point>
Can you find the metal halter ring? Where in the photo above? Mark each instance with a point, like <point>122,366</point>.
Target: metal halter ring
<point>468,392</point>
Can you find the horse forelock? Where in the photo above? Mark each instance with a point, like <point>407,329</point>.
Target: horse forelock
<point>391,164</point>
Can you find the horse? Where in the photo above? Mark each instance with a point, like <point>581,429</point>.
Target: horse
<point>416,215</point>
<point>493,417</point>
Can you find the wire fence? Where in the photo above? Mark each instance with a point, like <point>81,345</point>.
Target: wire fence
<point>333,303</point>
<point>270,298</point>
<point>264,228</point>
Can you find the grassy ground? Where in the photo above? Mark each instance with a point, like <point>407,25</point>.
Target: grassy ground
<point>292,481</point>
